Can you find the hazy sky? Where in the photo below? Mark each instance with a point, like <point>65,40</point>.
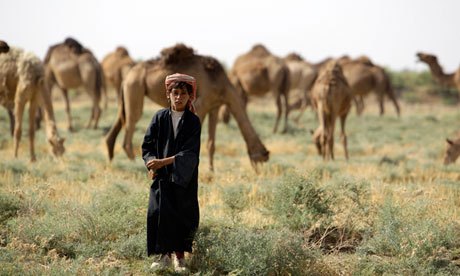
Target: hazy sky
<point>388,31</point>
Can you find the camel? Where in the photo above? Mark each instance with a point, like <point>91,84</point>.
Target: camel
<point>69,65</point>
<point>331,97</point>
<point>22,81</point>
<point>115,66</point>
<point>4,47</point>
<point>452,150</point>
<point>258,72</point>
<point>302,76</point>
<point>214,89</point>
<point>446,80</point>
<point>363,76</point>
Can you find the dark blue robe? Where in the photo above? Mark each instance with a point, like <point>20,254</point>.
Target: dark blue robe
<point>173,212</point>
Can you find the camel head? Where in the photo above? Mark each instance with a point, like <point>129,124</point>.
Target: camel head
<point>427,58</point>
<point>57,145</point>
<point>452,151</point>
<point>4,48</point>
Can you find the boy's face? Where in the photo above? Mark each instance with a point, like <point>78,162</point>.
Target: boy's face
<point>179,99</point>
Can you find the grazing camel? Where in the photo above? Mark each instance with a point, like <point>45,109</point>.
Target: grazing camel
<point>115,66</point>
<point>214,89</point>
<point>22,81</point>
<point>4,48</point>
<point>445,80</point>
<point>363,77</point>
<point>452,151</point>
<point>331,97</point>
<point>302,76</point>
<point>70,66</point>
<point>257,72</point>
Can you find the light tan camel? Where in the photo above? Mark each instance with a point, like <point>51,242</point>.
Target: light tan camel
<point>302,76</point>
<point>364,77</point>
<point>22,81</point>
<point>258,72</point>
<point>70,66</point>
<point>115,66</point>
<point>445,80</point>
<point>452,150</point>
<point>214,89</point>
<point>331,97</point>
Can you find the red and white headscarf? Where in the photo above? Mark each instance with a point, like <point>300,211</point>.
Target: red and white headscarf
<point>177,77</point>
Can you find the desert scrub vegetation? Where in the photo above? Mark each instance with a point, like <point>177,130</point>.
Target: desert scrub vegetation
<point>393,208</point>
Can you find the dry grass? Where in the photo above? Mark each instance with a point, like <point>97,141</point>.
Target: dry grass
<point>412,171</point>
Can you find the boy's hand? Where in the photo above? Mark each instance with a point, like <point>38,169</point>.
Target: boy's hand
<point>152,174</point>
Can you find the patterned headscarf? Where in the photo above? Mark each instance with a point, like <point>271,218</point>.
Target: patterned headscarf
<point>177,77</point>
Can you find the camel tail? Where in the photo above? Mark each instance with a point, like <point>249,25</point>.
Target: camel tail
<point>111,136</point>
<point>391,93</point>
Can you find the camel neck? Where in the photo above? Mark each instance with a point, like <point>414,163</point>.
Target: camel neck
<point>438,73</point>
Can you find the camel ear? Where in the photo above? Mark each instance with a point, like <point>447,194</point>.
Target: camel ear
<point>450,142</point>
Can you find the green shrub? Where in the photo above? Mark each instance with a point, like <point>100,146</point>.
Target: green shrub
<point>299,202</point>
<point>244,251</point>
<point>411,242</point>
<point>9,207</point>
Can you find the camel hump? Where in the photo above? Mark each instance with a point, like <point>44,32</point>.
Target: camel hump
<point>4,47</point>
<point>293,57</point>
<point>260,50</point>
<point>176,54</point>
<point>30,68</point>
<point>122,51</point>
<point>74,45</point>
<point>332,73</point>
<point>365,60</point>
<point>212,66</point>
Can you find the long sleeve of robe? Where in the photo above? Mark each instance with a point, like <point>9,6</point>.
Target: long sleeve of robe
<point>173,212</point>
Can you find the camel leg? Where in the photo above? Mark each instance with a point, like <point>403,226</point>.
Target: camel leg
<point>317,140</point>
<point>278,113</point>
<point>111,136</point>
<point>331,135</point>
<point>19,104</point>
<point>359,101</point>
<point>212,126</point>
<point>11,116</point>
<point>286,113</point>
<point>95,113</point>
<point>65,93</point>
<point>392,96</point>
<point>381,100</point>
<point>133,110</point>
<point>343,135</point>
<point>32,116</point>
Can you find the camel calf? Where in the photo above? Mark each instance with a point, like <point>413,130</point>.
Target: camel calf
<point>452,151</point>
<point>331,97</point>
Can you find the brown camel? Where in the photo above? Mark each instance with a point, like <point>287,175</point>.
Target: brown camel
<point>363,77</point>
<point>258,72</point>
<point>214,90</point>
<point>452,151</point>
<point>302,76</point>
<point>445,80</point>
<point>4,47</point>
<point>22,81</point>
<point>331,97</point>
<point>69,65</point>
<point>115,66</point>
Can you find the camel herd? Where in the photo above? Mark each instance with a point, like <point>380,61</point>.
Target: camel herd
<point>330,87</point>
